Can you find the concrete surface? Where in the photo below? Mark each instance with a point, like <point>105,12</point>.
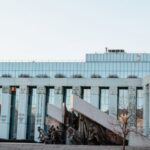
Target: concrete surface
<point>56,113</point>
<point>138,140</point>
<point>86,109</point>
<point>106,121</point>
<point>34,146</point>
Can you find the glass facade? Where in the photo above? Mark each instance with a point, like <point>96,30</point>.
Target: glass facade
<point>0,100</point>
<point>104,99</point>
<point>123,65</point>
<point>31,113</point>
<point>86,94</point>
<point>14,112</point>
<point>68,95</point>
<point>51,97</point>
<point>139,111</point>
<point>123,101</point>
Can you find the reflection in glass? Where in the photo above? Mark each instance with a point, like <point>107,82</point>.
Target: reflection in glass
<point>0,100</point>
<point>86,94</point>
<point>31,113</point>
<point>68,95</point>
<point>104,100</point>
<point>51,98</point>
<point>121,64</point>
<point>14,112</point>
<point>139,112</point>
<point>123,102</point>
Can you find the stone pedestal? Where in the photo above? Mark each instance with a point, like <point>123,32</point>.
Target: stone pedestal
<point>132,106</point>
<point>113,101</point>
<point>5,113</point>
<point>95,96</point>
<point>22,113</point>
<point>40,111</point>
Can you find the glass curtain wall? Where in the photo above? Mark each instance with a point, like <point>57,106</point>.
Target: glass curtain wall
<point>123,65</point>
<point>31,113</point>
<point>51,96</point>
<point>0,100</point>
<point>104,100</point>
<point>139,111</point>
<point>67,97</point>
<point>123,102</point>
<point>14,112</point>
<point>86,94</point>
<point>50,99</point>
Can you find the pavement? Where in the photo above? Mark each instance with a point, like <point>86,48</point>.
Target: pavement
<point>37,146</point>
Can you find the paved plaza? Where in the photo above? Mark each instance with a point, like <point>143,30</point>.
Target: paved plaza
<point>35,146</point>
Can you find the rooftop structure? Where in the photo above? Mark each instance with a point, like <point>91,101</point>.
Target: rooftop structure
<point>112,63</point>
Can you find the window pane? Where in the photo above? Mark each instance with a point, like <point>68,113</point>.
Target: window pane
<point>0,100</point>
<point>104,100</point>
<point>139,112</point>
<point>68,95</point>
<point>51,99</point>
<point>123,103</point>
<point>87,94</point>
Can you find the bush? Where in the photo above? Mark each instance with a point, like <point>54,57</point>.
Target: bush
<point>95,76</point>
<point>6,76</point>
<point>59,76</point>
<point>132,76</point>
<point>24,76</point>
<point>42,76</point>
<point>77,76</point>
<point>112,76</point>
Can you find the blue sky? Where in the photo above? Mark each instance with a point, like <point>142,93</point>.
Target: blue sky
<point>67,29</point>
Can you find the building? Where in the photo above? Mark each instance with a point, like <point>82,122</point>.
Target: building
<point>113,82</point>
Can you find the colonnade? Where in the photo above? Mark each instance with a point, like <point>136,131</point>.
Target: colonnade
<point>22,119</point>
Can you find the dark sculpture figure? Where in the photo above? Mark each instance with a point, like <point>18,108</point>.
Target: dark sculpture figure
<point>81,130</point>
<point>42,135</point>
<point>55,135</point>
<point>78,130</point>
<point>72,120</point>
<point>96,135</point>
<point>73,136</point>
<point>93,138</point>
<point>52,137</point>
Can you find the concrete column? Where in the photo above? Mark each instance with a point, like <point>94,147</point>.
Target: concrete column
<point>95,96</point>
<point>76,90</point>
<point>146,110</point>
<point>40,111</point>
<point>132,106</point>
<point>5,113</point>
<point>22,112</point>
<point>113,101</point>
<point>149,112</point>
<point>58,96</point>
